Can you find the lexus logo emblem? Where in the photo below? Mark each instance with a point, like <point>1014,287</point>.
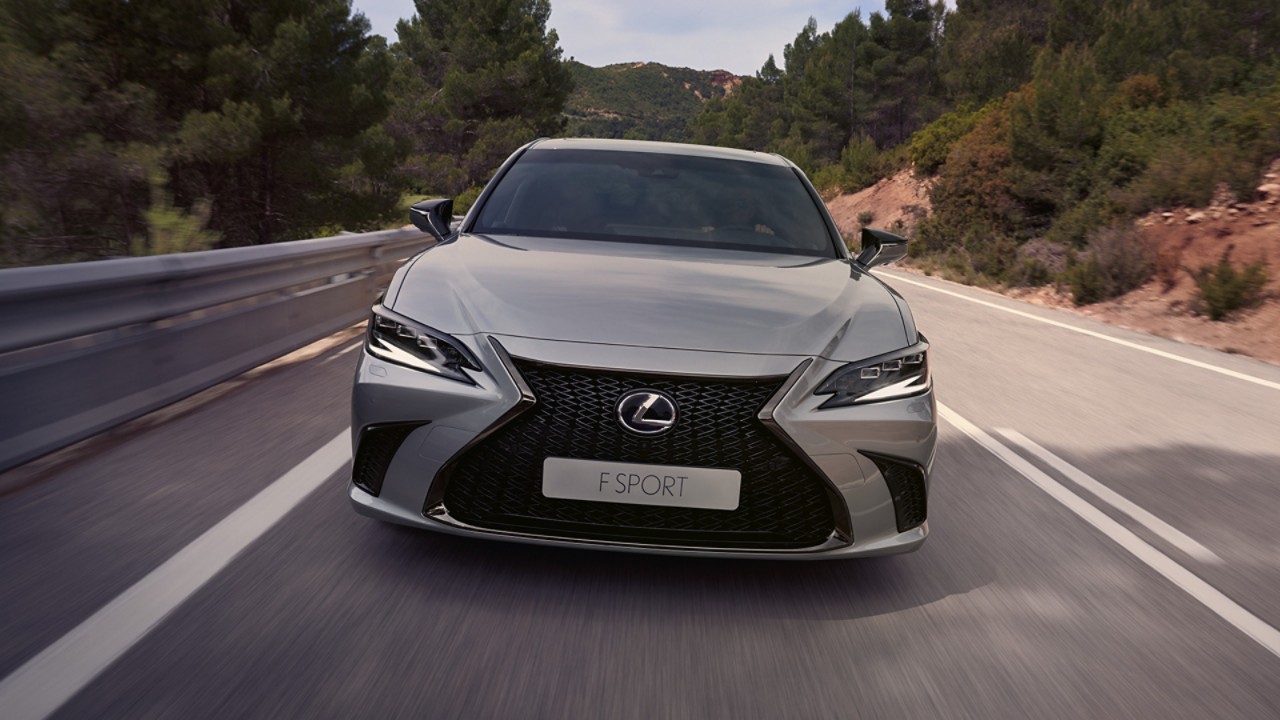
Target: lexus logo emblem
<point>647,412</point>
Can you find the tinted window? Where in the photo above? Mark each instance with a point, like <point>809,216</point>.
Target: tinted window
<point>656,198</point>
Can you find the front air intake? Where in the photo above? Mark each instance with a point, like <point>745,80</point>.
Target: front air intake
<point>907,487</point>
<point>378,444</point>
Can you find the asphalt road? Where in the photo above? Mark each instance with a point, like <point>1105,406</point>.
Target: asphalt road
<point>1102,545</point>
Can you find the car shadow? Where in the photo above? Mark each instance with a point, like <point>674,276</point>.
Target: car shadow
<point>576,581</point>
<point>987,525</point>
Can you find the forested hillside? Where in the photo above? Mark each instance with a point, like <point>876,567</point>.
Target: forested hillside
<point>157,126</point>
<point>842,93</point>
<point>1053,120</point>
<point>641,101</point>
<point>165,125</point>
<point>160,125</point>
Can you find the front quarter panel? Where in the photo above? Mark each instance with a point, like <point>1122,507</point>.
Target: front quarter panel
<point>836,438</point>
<point>879,322</point>
<point>453,414</point>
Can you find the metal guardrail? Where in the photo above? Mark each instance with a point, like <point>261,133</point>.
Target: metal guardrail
<point>86,346</point>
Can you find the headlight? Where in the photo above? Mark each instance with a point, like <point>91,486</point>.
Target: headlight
<point>898,374</point>
<point>398,339</point>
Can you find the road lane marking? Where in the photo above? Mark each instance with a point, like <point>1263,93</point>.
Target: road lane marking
<point>1170,534</point>
<point>1101,336</point>
<point>1207,595</point>
<point>343,351</point>
<point>45,682</point>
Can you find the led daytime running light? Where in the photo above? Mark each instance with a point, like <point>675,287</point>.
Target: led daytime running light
<point>400,340</point>
<point>902,373</point>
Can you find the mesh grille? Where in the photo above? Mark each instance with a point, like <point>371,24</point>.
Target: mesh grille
<point>378,444</point>
<point>498,483</point>
<point>907,487</point>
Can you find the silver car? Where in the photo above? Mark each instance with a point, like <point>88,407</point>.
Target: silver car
<point>652,347</point>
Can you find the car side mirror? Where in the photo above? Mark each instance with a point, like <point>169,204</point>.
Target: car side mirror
<point>433,216</point>
<point>880,248</point>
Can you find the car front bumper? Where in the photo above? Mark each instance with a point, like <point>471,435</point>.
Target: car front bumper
<point>440,420</point>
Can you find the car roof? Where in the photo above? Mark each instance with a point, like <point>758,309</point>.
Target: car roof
<point>660,148</point>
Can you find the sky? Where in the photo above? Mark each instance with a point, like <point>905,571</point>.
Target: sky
<point>733,35</point>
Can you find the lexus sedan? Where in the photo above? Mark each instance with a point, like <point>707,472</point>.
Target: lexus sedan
<point>651,347</point>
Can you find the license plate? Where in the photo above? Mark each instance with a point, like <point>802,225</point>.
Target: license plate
<point>635,484</point>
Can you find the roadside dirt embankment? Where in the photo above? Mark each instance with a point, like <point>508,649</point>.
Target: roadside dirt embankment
<point>1185,239</point>
<point>900,199</point>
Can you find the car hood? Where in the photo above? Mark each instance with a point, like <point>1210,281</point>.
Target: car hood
<point>651,296</point>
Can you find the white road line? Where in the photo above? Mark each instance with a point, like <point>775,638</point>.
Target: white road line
<point>48,680</point>
<point>1207,595</point>
<point>1091,333</point>
<point>1167,532</point>
<point>340,353</point>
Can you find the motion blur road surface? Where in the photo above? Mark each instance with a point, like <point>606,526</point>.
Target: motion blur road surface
<point>1103,544</point>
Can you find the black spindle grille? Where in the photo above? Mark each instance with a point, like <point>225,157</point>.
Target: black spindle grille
<point>497,484</point>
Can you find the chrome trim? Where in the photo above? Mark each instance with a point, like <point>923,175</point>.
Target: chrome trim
<point>839,508</point>
<point>435,494</point>
<point>652,373</point>
<point>637,422</point>
<point>439,514</point>
<point>526,392</point>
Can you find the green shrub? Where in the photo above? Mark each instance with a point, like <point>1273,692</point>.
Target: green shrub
<point>1039,262</point>
<point>1075,224</point>
<point>973,193</point>
<point>957,266</point>
<point>1178,154</point>
<point>1223,289</point>
<point>866,217</point>
<point>1119,259</point>
<point>1181,173</point>
<point>1139,91</point>
<point>171,229</point>
<point>991,255</point>
<point>829,180</point>
<point>929,146</point>
<point>466,199</point>
<point>861,163</point>
<point>1028,273</point>
<point>798,150</point>
<point>1086,282</point>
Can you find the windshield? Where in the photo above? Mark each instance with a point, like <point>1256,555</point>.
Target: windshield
<point>658,199</point>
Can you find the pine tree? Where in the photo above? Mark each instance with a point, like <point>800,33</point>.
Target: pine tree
<point>474,80</point>
<point>255,115</point>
